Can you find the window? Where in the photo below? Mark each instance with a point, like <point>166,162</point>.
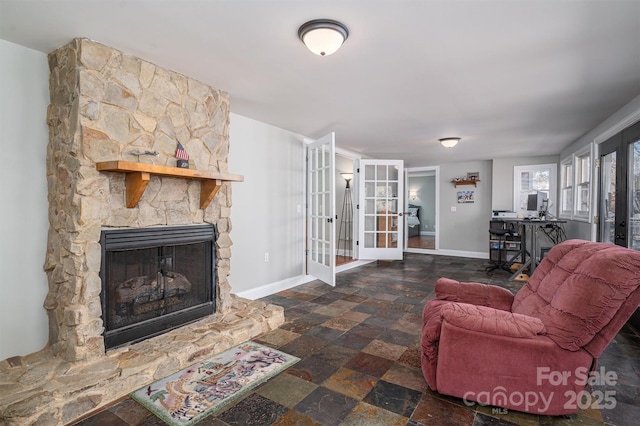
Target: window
<point>583,185</point>
<point>530,179</point>
<point>566,184</point>
<point>575,195</point>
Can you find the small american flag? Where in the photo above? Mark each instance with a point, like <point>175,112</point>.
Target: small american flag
<point>181,153</point>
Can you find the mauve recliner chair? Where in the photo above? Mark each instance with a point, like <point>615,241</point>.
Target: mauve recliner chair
<point>537,350</point>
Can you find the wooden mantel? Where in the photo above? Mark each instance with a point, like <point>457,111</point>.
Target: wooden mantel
<point>139,174</point>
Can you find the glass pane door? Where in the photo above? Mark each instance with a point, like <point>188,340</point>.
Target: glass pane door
<point>634,196</point>
<point>620,192</point>
<point>381,202</point>
<point>619,203</point>
<point>321,214</point>
<point>608,197</point>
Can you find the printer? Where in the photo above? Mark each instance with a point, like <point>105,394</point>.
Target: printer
<point>504,214</point>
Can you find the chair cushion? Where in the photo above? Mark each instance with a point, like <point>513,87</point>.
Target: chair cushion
<point>491,321</point>
<point>474,293</point>
<point>578,288</point>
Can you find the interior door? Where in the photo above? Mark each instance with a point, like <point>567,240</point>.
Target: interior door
<point>380,207</point>
<point>610,204</point>
<point>633,235</point>
<point>321,231</point>
<point>619,194</point>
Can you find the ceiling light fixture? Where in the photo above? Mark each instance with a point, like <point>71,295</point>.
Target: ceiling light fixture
<point>449,142</point>
<point>323,36</point>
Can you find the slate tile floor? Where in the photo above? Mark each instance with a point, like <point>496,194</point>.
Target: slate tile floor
<point>360,362</point>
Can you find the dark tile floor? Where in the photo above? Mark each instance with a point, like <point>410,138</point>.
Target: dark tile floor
<point>360,362</point>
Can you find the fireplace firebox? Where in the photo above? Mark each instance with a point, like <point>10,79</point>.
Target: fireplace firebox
<point>155,279</point>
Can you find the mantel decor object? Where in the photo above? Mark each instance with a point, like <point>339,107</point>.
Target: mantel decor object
<point>182,156</point>
<point>473,175</point>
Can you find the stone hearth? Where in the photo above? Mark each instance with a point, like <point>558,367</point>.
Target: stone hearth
<point>105,106</point>
<point>43,389</point>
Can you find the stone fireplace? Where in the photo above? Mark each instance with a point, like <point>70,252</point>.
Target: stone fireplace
<point>107,106</point>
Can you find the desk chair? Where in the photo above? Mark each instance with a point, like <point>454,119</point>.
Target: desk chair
<point>499,234</point>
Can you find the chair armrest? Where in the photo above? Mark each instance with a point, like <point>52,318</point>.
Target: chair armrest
<point>491,321</point>
<point>474,293</point>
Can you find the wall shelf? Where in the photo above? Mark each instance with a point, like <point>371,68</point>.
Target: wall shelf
<point>465,182</point>
<point>139,174</point>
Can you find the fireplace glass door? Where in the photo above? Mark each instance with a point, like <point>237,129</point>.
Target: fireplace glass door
<point>155,280</point>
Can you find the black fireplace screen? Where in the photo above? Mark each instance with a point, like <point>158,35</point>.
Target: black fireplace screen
<point>155,279</point>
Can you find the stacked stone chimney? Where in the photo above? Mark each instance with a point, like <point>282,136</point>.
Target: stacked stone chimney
<point>106,105</point>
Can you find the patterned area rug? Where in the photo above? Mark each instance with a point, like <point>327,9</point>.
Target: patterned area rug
<point>207,387</point>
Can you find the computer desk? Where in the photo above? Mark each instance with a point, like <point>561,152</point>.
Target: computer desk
<point>529,228</point>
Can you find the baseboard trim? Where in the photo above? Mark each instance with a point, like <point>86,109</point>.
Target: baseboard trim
<point>352,265</point>
<point>460,253</point>
<point>275,287</point>
<point>454,253</point>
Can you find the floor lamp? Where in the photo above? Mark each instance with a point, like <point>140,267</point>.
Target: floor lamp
<point>346,222</point>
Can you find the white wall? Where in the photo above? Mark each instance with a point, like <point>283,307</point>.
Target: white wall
<point>267,214</point>
<point>502,192</point>
<point>466,229</point>
<point>24,97</point>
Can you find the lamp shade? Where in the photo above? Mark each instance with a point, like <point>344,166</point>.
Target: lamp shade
<point>347,176</point>
<point>449,142</point>
<point>323,36</point>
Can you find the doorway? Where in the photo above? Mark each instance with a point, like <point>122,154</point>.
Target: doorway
<point>422,210</point>
<point>619,193</point>
<point>344,210</point>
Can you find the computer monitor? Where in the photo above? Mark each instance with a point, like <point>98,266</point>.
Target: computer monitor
<point>535,202</point>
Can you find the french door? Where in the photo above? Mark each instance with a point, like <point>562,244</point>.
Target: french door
<point>619,195</point>
<point>380,207</point>
<point>321,231</point>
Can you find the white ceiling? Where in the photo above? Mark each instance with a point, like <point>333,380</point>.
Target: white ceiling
<point>511,78</point>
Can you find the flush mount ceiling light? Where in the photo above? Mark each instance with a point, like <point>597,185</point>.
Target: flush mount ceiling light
<point>449,142</point>
<point>323,36</point>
